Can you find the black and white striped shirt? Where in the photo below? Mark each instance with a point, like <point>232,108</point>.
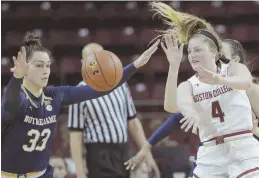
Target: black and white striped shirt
<point>104,120</point>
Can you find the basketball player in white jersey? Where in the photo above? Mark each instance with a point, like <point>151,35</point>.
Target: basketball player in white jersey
<point>214,99</point>
<point>233,50</point>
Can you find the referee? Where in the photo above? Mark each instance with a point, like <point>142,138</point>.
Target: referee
<point>103,125</point>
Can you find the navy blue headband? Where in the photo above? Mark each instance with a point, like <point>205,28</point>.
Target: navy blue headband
<point>210,36</point>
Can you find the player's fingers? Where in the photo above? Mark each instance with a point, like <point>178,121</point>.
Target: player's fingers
<point>129,165</point>
<point>19,57</point>
<point>135,163</point>
<point>185,123</point>
<point>23,52</point>
<point>12,69</point>
<point>175,41</point>
<point>167,41</point>
<point>199,69</point>
<point>153,48</point>
<point>155,44</point>
<point>153,51</point>
<point>127,162</point>
<point>163,46</point>
<point>171,41</point>
<point>183,119</point>
<point>189,125</point>
<point>15,61</point>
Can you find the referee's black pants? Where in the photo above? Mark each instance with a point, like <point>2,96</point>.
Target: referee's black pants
<point>106,160</point>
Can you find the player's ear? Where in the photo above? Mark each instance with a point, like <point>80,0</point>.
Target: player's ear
<point>236,59</point>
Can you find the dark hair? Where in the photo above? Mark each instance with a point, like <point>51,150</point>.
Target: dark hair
<point>237,49</point>
<point>32,44</point>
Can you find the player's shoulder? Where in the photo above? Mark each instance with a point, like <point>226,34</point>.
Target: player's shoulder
<point>193,80</point>
<point>52,91</point>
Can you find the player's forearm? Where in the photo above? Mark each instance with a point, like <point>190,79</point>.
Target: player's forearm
<point>165,129</point>
<point>136,132</point>
<point>78,94</point>
<point>170,104</point>
<point>236,82</point>
<point>11,98</point>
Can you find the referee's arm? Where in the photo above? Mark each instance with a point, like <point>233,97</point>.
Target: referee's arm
<point>75,126</point>
<point>135,128</point>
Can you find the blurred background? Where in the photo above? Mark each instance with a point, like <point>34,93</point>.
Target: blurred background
<point>125,28</point>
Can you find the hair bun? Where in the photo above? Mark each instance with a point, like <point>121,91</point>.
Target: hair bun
<point>31,39</point>
<point>224,59</point>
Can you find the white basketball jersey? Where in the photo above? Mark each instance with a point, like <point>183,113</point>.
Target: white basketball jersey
<point>222,109</point>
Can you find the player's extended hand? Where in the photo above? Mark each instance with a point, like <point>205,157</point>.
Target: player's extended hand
<point>21,67</point>
<point>144,58</point>
<point>133,162</point>
<point>189,122</point>
<point>173,53</point>
<point>207,76</point>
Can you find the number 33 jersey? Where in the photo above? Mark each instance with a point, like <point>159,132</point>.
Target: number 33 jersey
<point>27,137</point>
<point>222,110</point>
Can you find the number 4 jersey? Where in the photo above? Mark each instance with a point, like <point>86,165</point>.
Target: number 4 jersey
<point>222,109</point>
<point>27,135</point>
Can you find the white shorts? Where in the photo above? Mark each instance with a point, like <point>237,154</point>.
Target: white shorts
<point>233,159</point>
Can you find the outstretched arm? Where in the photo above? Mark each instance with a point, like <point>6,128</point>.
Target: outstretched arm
<point>70,95</point>
<point>165,129</point>
<point>12,99</point>
<point>174,55</point>
<point>239,77</point>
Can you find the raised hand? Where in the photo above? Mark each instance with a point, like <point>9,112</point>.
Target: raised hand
<point>173,53</point>
<point>21,67</point>
<point>144,58</point>
<point>207,76</point>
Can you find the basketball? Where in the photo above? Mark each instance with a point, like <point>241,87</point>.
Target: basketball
<point>102,70</point>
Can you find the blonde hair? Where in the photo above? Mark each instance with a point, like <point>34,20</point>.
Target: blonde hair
<point>182,26</point>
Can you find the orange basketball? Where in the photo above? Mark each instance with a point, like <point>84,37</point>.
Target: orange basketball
<point>102,70</point>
